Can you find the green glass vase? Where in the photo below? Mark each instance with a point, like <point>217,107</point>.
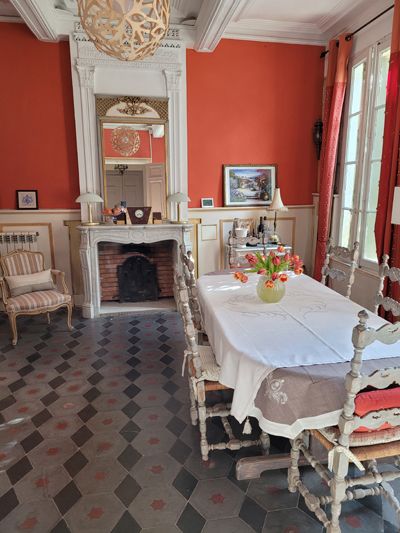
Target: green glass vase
<point>270,295</point>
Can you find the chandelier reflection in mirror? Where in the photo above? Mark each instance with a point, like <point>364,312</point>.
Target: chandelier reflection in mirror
<point>125,29</point>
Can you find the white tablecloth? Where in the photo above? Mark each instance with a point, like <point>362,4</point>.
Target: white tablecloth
<point>311,325</point>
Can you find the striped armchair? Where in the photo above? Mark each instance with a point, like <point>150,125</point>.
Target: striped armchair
<point>26,290</point>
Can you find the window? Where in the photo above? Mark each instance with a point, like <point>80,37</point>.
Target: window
<point>362,151</point>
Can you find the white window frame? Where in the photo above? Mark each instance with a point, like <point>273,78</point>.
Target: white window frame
<point>364,148</point>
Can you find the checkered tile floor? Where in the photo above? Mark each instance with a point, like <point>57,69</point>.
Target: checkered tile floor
<point>95,436</point>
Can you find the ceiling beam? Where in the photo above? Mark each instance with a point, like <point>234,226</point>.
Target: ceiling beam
<point>39,17</point>
<point>213,18</point>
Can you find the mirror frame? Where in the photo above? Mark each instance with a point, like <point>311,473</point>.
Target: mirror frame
<point>130,119</point>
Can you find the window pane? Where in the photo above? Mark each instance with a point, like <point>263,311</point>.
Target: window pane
<point>369,238</point>
<point>346,226</point>
<point>352,138</point>
<point>356,88</point>
<point>349,183</point>
<point>383,70</point>
<point>377,141</point>
<point>374,186</point>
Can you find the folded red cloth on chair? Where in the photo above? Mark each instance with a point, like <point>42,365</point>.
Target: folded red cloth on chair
<point>375,400</point>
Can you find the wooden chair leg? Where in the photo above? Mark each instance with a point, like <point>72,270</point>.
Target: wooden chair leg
<point>13,323</point>
<point>338,490</point>
<point>294,472</point>
<point>48,318</point>
<point>69,317</point>
<point>193,407</point>
<point>204,448</point>
<point>265,442</point>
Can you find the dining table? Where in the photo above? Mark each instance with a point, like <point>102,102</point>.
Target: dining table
<point>286,361</point>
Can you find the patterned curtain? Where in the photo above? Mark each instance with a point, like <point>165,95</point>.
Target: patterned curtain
<point>336,82</point>
<point>387,236</point>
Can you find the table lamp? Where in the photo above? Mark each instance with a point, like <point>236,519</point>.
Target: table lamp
<point>89,198</point>
<point>396,206</point>
<point>178,198</point>
<point>276,205</point>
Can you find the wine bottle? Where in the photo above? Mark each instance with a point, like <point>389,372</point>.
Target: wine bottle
<point>260,229</point>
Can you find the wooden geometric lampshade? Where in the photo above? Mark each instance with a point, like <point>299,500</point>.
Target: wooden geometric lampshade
<point>125,29</point>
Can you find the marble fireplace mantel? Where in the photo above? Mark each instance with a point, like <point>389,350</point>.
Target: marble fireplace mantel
<point>122,234</point>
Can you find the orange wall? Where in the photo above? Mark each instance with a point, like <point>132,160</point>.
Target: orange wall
<point>253,102</point>
<point>37,137</point>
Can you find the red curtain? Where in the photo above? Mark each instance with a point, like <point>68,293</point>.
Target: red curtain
<point>339,52</point>
<point>387,236</point>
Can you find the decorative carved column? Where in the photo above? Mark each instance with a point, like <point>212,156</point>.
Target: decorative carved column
<point>86,132</point>
<point>177,137</point>
<point>87,274</point>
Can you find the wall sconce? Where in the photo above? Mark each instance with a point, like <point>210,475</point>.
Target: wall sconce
<point>317,136</point>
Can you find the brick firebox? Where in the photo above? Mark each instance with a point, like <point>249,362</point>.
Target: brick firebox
<point>111,255</point>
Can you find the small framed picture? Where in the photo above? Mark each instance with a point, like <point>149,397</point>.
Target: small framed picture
<point>27,200</point>
<point>249,185</point>
<point>207,202</point>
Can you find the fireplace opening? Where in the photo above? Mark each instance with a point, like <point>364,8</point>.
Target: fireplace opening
<point>148,277</point>
<point>137,280</point>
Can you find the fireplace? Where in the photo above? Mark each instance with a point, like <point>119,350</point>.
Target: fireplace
<point>135,272</point>
<point>137,280</point>
<point>98,250</point>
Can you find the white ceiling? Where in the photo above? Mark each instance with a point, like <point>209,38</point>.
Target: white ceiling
<point>7,9</point>
<point>205,22</point>
<point>308,21</point>
<point>181,10</point>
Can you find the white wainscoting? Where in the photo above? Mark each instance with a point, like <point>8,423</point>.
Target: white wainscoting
<point>295,228</point>
<point>53,240</point>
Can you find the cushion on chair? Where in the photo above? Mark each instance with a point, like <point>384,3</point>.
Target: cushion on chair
<point>363,438</point>
<point>377,399</point>
<point>22,284</point>
<point>36,300</point>
<point>18,263</point>
<point>374,400</point>
<point>211,370</point>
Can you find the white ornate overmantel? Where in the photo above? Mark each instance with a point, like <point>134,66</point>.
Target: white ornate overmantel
<point>161,75</point>
<point>91,236</point>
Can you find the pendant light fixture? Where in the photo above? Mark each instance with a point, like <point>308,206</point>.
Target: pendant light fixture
<point>125,29</point>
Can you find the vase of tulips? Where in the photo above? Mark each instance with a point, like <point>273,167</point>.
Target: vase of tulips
<point>273,273</point>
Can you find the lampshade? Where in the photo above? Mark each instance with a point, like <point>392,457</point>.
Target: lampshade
<point>179,197</point>
<point>125,29</point>
<point>277,204</point>
<point>89,198</point>
<point>396,206</point>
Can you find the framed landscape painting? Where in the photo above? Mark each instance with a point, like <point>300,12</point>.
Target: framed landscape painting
<point>249,185</point>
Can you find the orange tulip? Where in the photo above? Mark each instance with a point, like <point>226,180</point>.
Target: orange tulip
<point>298,271</point>
<point>283,278</point>
<point>238,275</point>
<point>245,278</point>
<point>269,284</point>
<point>280,249</point>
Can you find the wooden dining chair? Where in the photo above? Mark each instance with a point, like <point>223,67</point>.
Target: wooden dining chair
<point>345,255</point>
<point>393,275</point>
<point>188,269</point>
<point>203,373</point>
<point>368,429</point>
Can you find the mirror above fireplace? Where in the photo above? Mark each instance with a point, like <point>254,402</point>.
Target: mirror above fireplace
<point>133,149</point>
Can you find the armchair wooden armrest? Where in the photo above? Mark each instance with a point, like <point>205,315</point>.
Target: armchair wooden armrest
<point>59,280</point>
<point>4,290</point>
